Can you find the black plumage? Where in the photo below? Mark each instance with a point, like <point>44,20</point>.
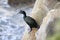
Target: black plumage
<point>29,20</point>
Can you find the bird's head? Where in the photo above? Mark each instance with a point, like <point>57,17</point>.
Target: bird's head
<point>22,12</point>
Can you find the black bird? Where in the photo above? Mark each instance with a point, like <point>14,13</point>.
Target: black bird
<point>29,20</point>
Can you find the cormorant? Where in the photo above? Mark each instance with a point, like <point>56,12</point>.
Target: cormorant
<point>29,20</point>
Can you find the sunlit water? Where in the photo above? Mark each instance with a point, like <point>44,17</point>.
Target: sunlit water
<point>12,25</point>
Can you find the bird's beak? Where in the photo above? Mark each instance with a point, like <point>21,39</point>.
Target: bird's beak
<point>19,12</point>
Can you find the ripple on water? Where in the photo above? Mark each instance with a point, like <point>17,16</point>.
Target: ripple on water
<point>11,31</point>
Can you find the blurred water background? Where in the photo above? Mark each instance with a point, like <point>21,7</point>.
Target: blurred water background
<point>12,25</point>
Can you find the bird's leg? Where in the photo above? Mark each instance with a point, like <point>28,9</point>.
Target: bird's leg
<point>31,29</point>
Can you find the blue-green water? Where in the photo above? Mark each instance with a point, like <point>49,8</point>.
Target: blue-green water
<point>12,25</point>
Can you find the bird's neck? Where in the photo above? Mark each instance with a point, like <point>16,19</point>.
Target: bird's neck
<point>24,15</point>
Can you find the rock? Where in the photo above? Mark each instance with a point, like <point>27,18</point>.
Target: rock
<point>19,2</point>
<point>50,25</point>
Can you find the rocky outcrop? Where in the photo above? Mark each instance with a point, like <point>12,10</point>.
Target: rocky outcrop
<point>18,2</point>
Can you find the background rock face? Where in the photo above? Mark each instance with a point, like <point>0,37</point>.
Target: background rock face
<point>17,2</point>
<point>58,0</point>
